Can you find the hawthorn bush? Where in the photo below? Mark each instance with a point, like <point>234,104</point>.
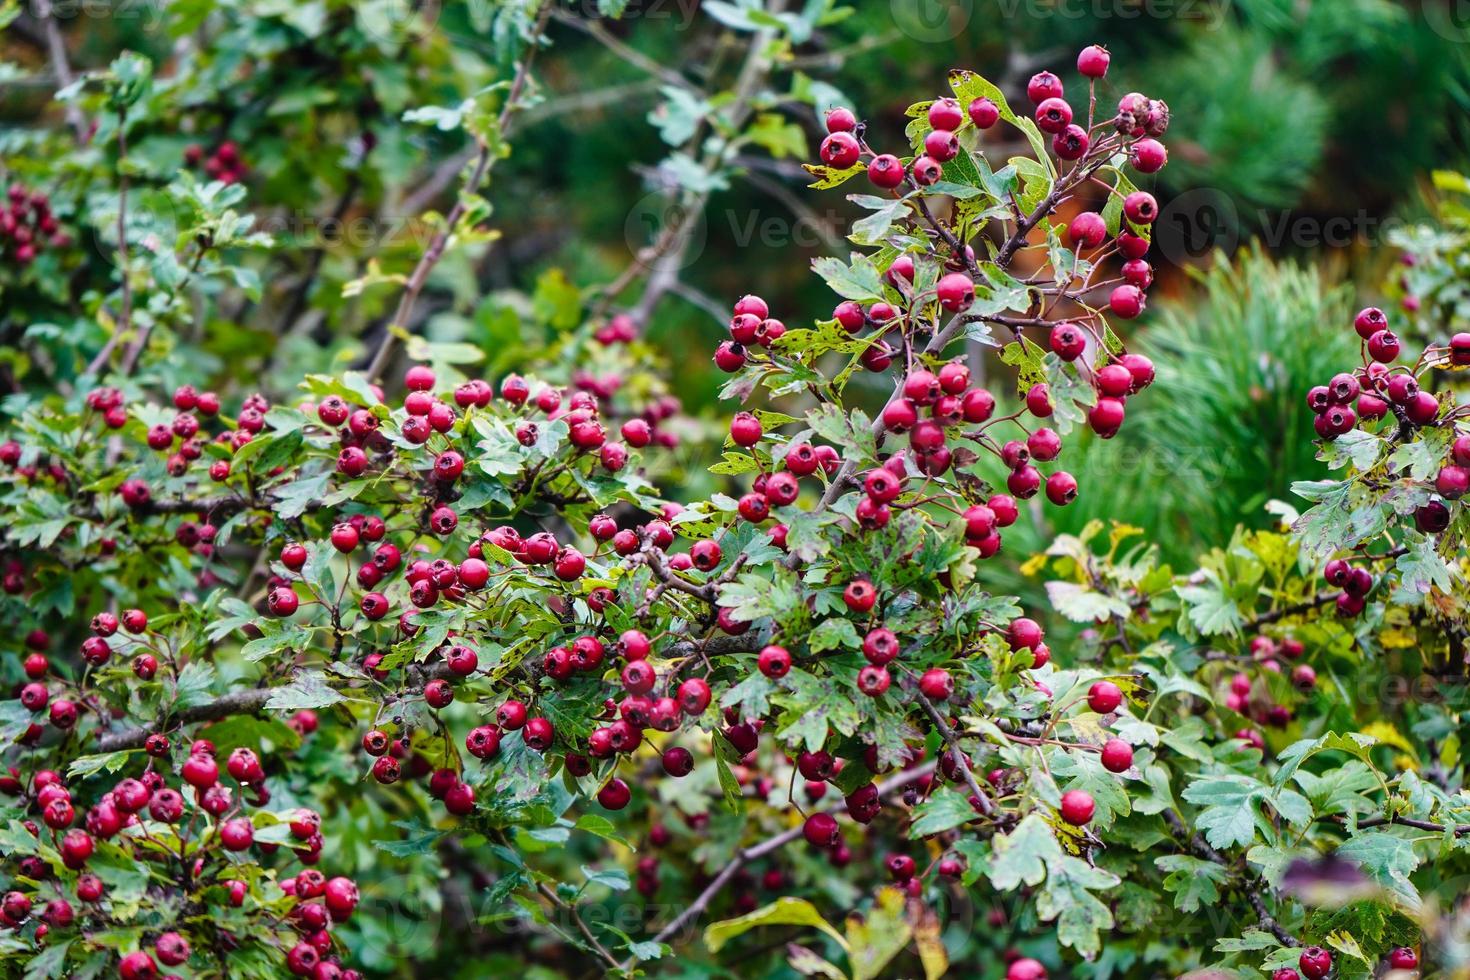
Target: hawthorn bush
<point>406,669</point>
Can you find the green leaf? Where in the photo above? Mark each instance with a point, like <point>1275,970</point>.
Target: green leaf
<point>418,839</point>
<point>873,228</point>
<point>614,878</point>
<point>1021,857</point>
<point>880,934</point>
<point>1068,898</point>
<point>833,634</point>
<point>944,810</point>
<point>1081,604</point>
<point>90,765</point>
<point>1192,880</point>
<point>858,281</point>
<point>1230,809</point>
<point>308,690</point>
<point>1386,858</point>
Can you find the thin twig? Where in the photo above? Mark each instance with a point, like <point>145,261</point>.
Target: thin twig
<point>483,159</point>
<point>56,46</point>
<point>950,739</point>
<point>755,852</point>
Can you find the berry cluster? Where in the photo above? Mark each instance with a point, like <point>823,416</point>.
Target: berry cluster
<point>27,226</point>
<point>156,822</point>
<point>224,163</point>
<point>1381,402</point>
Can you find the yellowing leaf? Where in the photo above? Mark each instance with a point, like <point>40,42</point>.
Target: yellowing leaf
<point>781,912</point>
<point>877,937</point>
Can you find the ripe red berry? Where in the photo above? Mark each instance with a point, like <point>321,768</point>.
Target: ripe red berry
<point>936,684</point>
<point>1087,230</point>
<point>139,966</point>
<point>1053,115</point>
<point>1403,958</point>
<point>1117,755</point>
<point>1383,346</point>
<point>1042,86</point>
<point>615,795</point>
<point>1061,488</point>
<point>926,171</point>
<point>983,113</point>
<point>821,830</point>
<point>1126,301</point>
<point>885,171</point>
<point>282,601</point>
<point>880,646</point>
<point>860,595</point>
<point>945,114</point>
<point>955,291</point>
<point>1077,807</point>
<point>694,696</point>
<point>745,429</point>
<point>1141,208</point>
<point>1148,156</point>
<point>977,405</point>
<point>873,680</point>
<point>1104,697</point>
<point>941,145</point>
<point>1093,61</point>
<point>1026,969</point>
<point>1315,962</point>
<point>774,661</point>
<point>840,120</point>
<point>840,150</point>
<point>538,734</point>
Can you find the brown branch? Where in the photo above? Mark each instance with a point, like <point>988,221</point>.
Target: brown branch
<point>56,47</point>
<point>950,739</point>
<point>1251,886</point>
<point>554,899</point>
<point>238,703</point>
<point>420,275</point>
<point>757,851</point>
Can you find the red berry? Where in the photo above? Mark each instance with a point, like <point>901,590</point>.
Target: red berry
<point>745,429</point>
<point>1061,488</point>
<point>615,795</point>
<point>1117,755</point>
<point>840,150</point>
<point>1042,86</point>
<point>1077,807</point>
<point>821,830</point>
<point>936,684</point>
<point>774,661</point>
<point>1126,301</point>
<point>840,120</point>
<point>955,291</point>
<point>1403,958</point>
<point>1104,697</point>
<point>1053,115</point>
<point>983,113</point>
<point>1148,156</point>
<point>1141,208</point>
<point>885,171</point>
<point>1315,962</point>
<point>945,114</point>
<point>1087,230</point>
<point>1093,61</point>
